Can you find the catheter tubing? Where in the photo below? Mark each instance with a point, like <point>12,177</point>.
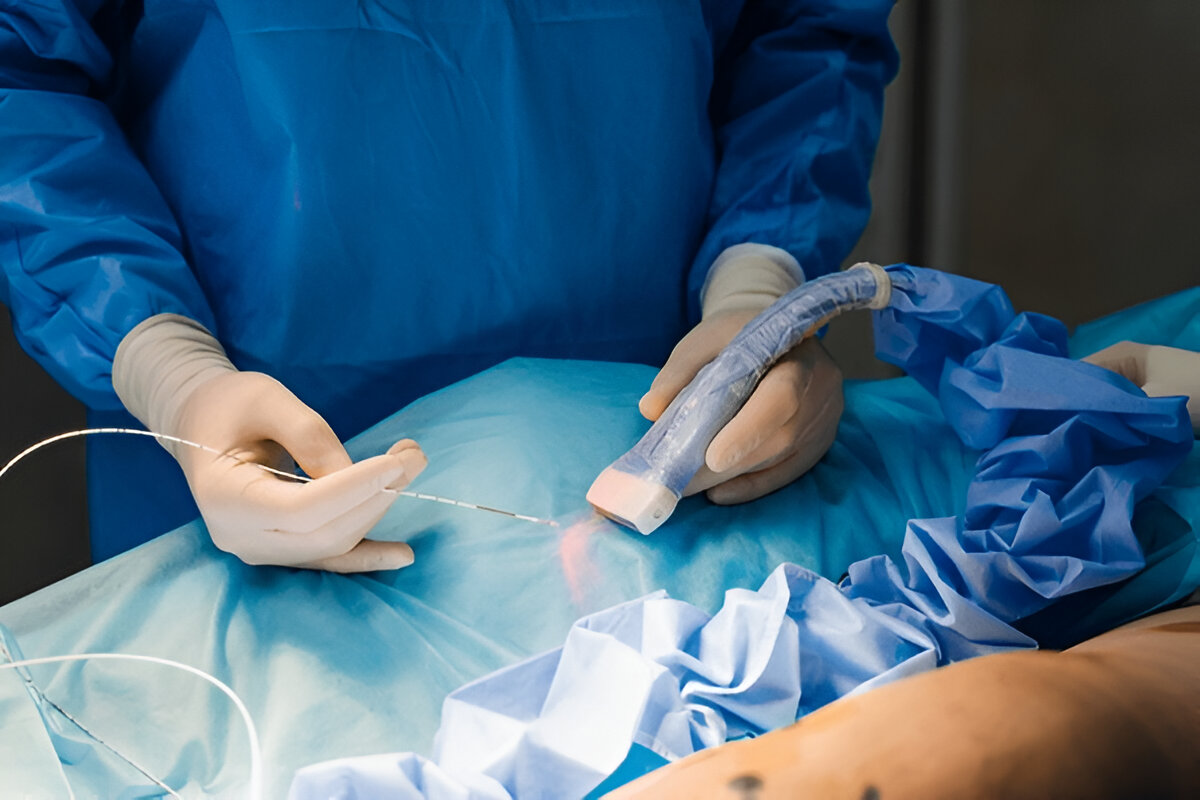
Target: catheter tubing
<point>672,451</point>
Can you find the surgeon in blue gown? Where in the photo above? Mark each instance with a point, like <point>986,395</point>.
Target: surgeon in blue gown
<point>265,225</point>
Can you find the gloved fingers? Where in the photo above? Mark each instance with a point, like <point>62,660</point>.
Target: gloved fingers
<point>799,445</point>
<point>1159,370</point>
<point>811,429</point>
<point>700,346</point>
<point>760,430</point>
<point>304,433</point>
<point>705,478</point>
<point>341,536</point>
<point>1157,388</point>
<point>270,502</point>
<point>753,485</point>
<point>367,556</point>
<point>795,408</point>
<point>1127,359</point>
<point>290,548</point>
<point>689,356</point>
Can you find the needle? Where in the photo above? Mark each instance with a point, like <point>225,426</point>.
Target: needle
<point>289,475</point>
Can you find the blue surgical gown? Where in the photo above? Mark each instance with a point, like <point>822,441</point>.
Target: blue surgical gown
<point>369,200</point>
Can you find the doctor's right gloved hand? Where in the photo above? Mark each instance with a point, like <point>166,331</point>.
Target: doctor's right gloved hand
<point>175,377</point>
<point>791,418</point>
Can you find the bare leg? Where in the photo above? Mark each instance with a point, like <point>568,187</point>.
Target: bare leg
<point>1117,716</point>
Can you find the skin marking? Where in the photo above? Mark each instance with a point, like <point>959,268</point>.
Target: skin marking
<point>747,785</point>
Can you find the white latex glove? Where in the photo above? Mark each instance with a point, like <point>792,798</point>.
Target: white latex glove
<point>1160,371</point>
<point>791,419</point>
<point>174,376</point>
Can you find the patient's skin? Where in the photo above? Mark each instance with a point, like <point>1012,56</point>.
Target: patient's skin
<point>1117,716</point>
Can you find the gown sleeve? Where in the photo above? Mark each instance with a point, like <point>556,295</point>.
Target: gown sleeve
<point>88,245</point>
<point>796,107</point>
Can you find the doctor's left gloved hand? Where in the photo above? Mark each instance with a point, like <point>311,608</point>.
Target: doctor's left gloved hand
<point>1158,370</point>
<point>791,419</point>
<point>174,376</point>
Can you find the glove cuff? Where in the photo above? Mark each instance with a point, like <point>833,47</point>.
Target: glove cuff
<point>749,277</point>
<point>160,363</point>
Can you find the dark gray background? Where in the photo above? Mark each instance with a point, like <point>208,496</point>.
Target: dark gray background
<point>1048,145</point>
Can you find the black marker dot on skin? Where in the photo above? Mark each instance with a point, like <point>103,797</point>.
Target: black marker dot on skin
<point>747,785</point>
<point>870,793</point>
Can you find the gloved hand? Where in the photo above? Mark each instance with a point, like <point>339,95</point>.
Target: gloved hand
<point>174,376</point>
<point>791,419</point>
<point>1160,371</point>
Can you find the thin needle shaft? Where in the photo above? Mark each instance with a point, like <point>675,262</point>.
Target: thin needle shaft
<point>288,475</point>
